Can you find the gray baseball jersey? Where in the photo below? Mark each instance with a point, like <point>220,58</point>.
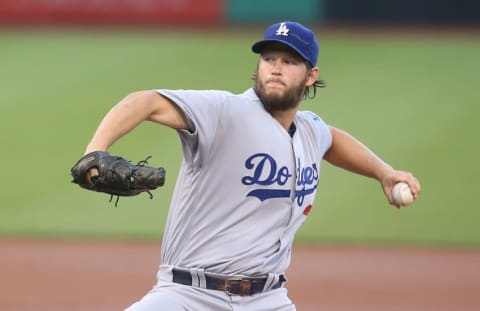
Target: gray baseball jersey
<point>245,184</point>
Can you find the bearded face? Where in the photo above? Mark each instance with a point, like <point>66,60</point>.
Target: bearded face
<point>279,100</point>
<point>280,79</point>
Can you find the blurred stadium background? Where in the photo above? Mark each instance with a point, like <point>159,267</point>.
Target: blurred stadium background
<point>402,76</point>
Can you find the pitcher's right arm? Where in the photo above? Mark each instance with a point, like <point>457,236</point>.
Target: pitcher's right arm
<point>130,112</point>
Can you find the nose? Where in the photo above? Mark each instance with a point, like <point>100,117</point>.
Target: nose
<point>277,67</point>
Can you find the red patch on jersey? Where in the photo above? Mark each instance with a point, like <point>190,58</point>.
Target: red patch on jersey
<point>307,210</point>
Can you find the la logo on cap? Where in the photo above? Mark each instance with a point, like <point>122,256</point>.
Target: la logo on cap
<point>282,30</point>
<point>295,35</point>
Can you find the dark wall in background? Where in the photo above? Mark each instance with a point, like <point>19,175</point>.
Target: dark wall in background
<point>417,11</point>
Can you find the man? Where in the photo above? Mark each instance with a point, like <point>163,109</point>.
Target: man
<point>249,175</point>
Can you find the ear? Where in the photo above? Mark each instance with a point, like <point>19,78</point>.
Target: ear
<point>312,76</point>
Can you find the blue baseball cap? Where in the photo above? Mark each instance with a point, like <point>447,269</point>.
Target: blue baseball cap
<point>293,34</point>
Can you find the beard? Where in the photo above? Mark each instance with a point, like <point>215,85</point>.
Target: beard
<point>289,99</point>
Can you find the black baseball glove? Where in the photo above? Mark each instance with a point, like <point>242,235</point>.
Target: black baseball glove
<point>117,176</point>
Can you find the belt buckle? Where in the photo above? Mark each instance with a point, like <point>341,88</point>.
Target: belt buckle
<point>238,287</point>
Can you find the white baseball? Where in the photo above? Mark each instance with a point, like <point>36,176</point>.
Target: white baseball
<point>402,195</point>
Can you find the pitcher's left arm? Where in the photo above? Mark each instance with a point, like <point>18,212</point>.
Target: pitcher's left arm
<point>349,153</point>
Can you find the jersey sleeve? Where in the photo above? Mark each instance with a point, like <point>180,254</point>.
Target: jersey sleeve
<point>322,130</point>
<point>203,111</point>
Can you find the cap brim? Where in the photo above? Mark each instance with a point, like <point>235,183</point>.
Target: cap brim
<point>259,46</point>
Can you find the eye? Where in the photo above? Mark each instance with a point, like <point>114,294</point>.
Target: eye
<point>290,61</point>
<point>268,58</point>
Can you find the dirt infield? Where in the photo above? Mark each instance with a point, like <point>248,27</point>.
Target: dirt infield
<point>97,276</point>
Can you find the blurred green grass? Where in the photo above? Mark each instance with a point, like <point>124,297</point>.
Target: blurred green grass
<point>412,97</point>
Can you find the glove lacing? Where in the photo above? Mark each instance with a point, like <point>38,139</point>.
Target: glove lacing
<point>140,163</point>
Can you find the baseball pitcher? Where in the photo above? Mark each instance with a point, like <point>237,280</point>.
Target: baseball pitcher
<point>250,171</point>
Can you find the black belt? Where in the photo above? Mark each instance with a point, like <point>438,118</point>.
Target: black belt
<point>234,286</point>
